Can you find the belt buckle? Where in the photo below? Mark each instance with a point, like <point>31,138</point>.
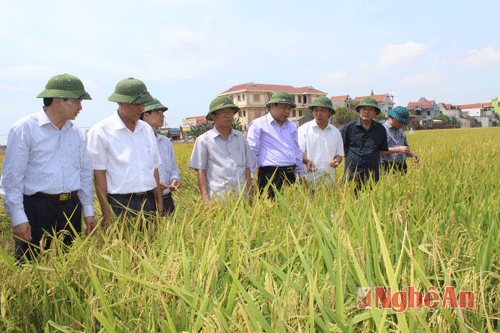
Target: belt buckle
<point>64,196</point>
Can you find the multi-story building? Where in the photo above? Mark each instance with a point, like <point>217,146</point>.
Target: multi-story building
<point>252,98</point>
<point>385,101</point>
<point>424,108</point>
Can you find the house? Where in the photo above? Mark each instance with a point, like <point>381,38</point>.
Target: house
<point>252,98</point>
<point>342,101</point>
<point>455,111</point>
<point>385,101</point>
<point>424,108</point>
<point>484,113</point>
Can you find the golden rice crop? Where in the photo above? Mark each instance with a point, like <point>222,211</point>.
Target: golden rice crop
<point>293,265</point>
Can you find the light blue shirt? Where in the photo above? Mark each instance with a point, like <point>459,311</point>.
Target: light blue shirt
<point>225,161</point>
<point>42,158</point>
<point>168,169</point>
<point>395,138</point>
<point>275,145</point>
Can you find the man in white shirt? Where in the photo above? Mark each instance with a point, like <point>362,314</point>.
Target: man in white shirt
<point>46,176</point>
<point>169,172</point>
<point>221,156</point>
<point>321,143</point>
<point>273,139</point>
<point>124,155</point>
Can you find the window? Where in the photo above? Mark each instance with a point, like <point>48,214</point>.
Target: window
<point>239,113</point>
<point>293,113</point>
<point>256,97</point>
<point>305,99</point>
<point>239,98</point>
<point>244,113</point>
<point>300,99</point>
<point>300,113</point>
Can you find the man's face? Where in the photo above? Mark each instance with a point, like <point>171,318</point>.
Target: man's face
<point>280,112</point>
<point>367,113</point>
<point>70,108</point>
<point>154,118</point>
<point>396,124</point>
<point>321,114</point>
<point>130,112</point>
<point>223,117</point>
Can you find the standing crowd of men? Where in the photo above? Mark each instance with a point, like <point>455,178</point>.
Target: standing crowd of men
<point>50,168</point>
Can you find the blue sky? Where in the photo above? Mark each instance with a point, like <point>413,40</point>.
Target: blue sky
<point>186,52</point>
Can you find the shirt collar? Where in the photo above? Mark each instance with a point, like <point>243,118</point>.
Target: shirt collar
<point>270,120</point>
<point>43,119</point>
<point>118,123</point>
<point>215,133</point>
<point>314,124</point>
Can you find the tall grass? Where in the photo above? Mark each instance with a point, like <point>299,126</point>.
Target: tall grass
<point>292,265</point>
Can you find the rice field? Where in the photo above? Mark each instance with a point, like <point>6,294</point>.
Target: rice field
<point>293,265</point>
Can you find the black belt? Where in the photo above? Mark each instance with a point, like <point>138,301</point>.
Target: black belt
<point>290,168</point>
<point>167,196</point>
<point>133,196</point>
<point>58,197</point>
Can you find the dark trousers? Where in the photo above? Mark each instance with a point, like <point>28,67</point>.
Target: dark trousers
<point>49,216</point>
<point>132,203</point>
<point>168,203</point>
<point>395,166</point>
<point>276,176</point>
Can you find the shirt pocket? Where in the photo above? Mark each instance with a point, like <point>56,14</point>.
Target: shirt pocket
<point>75,155</point>
<point>146,157</point>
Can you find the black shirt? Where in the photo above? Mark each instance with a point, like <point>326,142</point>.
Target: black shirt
<point>362,149</point>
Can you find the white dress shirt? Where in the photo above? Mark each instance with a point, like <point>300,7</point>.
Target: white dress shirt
<point>275,145</point>
<point>225,161</point>
<point>42,158</point>
<point>320,146</point>
<point>129,158</point>
<point>168,168</point>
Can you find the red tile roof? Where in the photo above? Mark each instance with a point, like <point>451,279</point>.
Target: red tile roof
<point>340,98</point>
<point>475,106</point>
<point>423,104</point>
<point>271,88</point>
<point>378,98</point>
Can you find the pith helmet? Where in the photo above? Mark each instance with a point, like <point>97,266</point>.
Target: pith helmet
<point>369,101</point>
<point>322,101</point>
<point>221,102</point>
<point>131,91</point>
<point>64,86</point>
<point>154,105</point>
<point>281,97</point>
<point>401,114</point>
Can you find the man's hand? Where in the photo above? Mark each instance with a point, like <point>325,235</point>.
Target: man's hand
<point>416,158</point>
<point>22,232</point>
<point>163,186</point>
<point>311,167</point>
<point>90,223</point>
<point>174,185</point>
<point>334,163</point>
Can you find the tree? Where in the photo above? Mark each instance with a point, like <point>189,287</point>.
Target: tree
<point>196,131</point>
<point>344,115</point>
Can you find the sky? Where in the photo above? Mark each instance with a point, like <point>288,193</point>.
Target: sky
<point>188,51</point>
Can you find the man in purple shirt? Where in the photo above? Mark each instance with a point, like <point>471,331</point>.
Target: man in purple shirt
<point>273,139</point>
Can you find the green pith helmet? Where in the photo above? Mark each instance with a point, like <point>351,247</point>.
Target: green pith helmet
<point>131,91</point>
<point>221,102</point>
<point>154,105</point>
<point>281,97</point>
<point>401,114</point>
<point>369,101</point>
<point>64,86</point>
<point>322,101</point>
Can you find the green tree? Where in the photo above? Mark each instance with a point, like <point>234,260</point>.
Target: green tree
<point>344,115</point>
<point>196,131</point>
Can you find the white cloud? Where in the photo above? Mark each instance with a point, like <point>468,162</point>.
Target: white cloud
<point>484,57</point>
<point>400,55</point>
<point>431,76</point>
<point>28,72</point>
